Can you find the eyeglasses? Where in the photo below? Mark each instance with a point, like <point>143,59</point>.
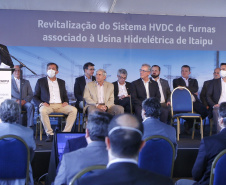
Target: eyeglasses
<point>124,78</point>
<point>91,69</point>
<point>141,70</point>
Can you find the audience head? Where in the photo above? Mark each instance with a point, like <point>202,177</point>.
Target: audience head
<point>52,70</point>
<point>16,72</point>
<point>88,69</point>
<point>151,108</point>
<point>101,75</point>
<point>185,71</point>
<point>216,73</point>
<point>223,70</point>
<point>9,111</point>
<point>155,71</point>
<point>124,137</point>
<point>222,115</point>
<point>97,126</point>
<point>122,75</point>
<point>145,71</point>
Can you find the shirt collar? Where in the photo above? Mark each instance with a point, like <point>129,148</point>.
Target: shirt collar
<point>120,160</point>
<point>16,79</point>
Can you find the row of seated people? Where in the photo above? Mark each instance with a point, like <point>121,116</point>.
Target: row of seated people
<point>50,93</point>
<point>124,137</point>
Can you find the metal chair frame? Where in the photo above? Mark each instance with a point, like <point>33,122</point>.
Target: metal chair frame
<point>85,170</point>
<point>186,116</point>
<point>171,144</point>
<point>28,152</point>
<point>214,163</point>
<point>39,124</point>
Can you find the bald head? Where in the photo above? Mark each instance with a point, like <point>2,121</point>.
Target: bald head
<point>125,135</point>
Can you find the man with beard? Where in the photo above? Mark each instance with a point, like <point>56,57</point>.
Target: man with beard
<point>165,93</point>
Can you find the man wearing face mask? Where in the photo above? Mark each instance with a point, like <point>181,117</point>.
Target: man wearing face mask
<point>51,96</point>
<point>216,94</point>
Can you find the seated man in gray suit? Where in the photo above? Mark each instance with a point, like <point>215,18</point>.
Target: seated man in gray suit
<point>165,93</point>
<point>27,95</point>
<point>94,154</point>
<point>152,126</point>
<point>124,142</point>
<point>99,95</point>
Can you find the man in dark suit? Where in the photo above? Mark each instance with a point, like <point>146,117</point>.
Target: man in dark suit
<point>165,93</point>
<point>151,109</point>
<point>203,94</point>
<point>81,82</point>
<point>209,148</point>
<point>122,90</point>
<point>5,57</point>
<point>94,154</point>
<point>51,96</point>
<point>192,85</point>
<point>27,95</point>
<point>216,93</point>
<point>124,142</point>
<point>142,89</point>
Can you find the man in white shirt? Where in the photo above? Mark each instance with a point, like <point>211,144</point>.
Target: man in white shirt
<point>99,95</point>
<point>51,96</point>
<point>122,90</point>
<point>26,97</point>
<point>216,94</point>
<point>143,88</point>
<point>165,93</point>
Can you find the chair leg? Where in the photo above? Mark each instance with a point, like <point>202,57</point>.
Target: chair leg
<point>40,124</point>
<point>211,126</point>
<point>37,126</point>
<point>79,119</point>
<point>193,129</point>
<point>178,128</point>
<point>201,127</point>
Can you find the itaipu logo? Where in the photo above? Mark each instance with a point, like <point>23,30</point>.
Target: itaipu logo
<point>4,81</point>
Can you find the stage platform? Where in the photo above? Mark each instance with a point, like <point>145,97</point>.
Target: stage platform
<point>186,155</point>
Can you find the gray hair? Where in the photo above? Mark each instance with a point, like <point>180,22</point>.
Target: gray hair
<point>149,67</point>
<point>103,71</point>
<point>9,111</point>
<point>122,71</point>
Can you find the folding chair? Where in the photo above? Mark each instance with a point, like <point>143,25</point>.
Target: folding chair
<point>14,158</point>
<point>218,171</point>
<point>157,155</point>
<point>182,107</point>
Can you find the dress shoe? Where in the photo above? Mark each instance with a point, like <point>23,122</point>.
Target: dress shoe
<point>49,138</point>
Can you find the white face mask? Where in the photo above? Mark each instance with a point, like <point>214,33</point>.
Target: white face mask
<point>51,73</point>
<point>222,73</point>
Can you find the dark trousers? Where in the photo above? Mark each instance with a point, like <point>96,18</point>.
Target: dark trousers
<point>125,102</point>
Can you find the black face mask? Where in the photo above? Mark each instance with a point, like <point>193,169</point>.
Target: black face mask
<point>155,76</point>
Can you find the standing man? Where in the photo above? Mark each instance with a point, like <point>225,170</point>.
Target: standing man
<point>5,57</point>
<point>51,96</point>
<point>203,94</point>
<point>124,142</point>
<point>209,148</point>
<point>216,93</point>
<point>165,93</point>
<point>99,95</point>
<point>192,85</point>
<point>27,95</point>
<point>122,90</point>
<point>81,82</point>
<point>142,89</point>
